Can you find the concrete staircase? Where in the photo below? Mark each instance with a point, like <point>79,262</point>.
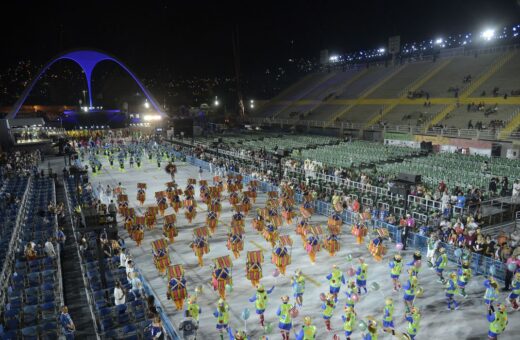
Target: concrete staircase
<point>412,87</point>
<point>74,292</point>
<point>472,87</point>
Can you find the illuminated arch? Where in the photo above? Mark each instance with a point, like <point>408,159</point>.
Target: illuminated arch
<point>87,60</point>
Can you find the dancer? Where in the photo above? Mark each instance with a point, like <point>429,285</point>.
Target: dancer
<point>312,246</point>
<point>270,234</point>
<point>396,266</point>
<point>416,263</point>
<point>260,300</point>
<point>222,315</point>
<point>440,264</point>
<point>336,278</point>
<point>193,308</point>
<point>349,321</point>
<point>433,245</point>
<point>328,308</point>
<point>377,249</point>
<point>497,321</point>
<point>308,331</point>
<point>388,316</point>
<point>491,293</point>
<point>298,286</point>
<point>372,331</point>
<point>361,276</point>
<point>414,319</point>
<point>284,317</point>
<point>464,275</point>
<point>281,257</point>
<point>360,231</point>
<point>410,288</point>
<point>513,296</point>
<point>451,289</point>
<point>351,294</point>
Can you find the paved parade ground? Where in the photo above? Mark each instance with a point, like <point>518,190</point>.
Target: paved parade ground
<point>469,322</point>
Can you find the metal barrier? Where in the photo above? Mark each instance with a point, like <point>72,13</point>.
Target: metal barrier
<point>11,253</point>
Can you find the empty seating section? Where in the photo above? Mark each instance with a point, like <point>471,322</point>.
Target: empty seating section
<point>124,321</point>
<point>372,77</point>
<point>34,295</point>
<point>361,113</point>
<point>454,169</point>
<point>395,86</point>
<point>354,154</point>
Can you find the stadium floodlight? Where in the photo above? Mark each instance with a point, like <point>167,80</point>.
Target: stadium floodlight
<point>216,102</point>
<point>381,50</point>
<point>152,117</point>
<point>146,105</point>
<point>438,41</point>
<point>488,34</point>
<point>333,58</point>
<point>252,104</point>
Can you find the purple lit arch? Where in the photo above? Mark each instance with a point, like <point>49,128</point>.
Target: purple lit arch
<point>87,60</point>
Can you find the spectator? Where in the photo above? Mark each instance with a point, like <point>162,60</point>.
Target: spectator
<point>119,294</point>
<point>151,310</point>
<point>67,325</point>
<point>112,210</point>
<point>156,329</point>
<point>137,285</point>
<point>189,326</point>
<point>49,249</point>
<point>516,189</point>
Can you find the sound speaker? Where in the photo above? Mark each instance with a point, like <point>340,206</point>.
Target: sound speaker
<point>404,177</point>
<point>428,146</point>
<point>496,150</point>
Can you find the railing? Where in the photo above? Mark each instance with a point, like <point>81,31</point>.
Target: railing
<point>489,134</point>
<point>479,264</point>
<point>10,255</point>
<point>58,247</point>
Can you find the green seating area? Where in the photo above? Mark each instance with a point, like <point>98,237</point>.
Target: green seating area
<point>455,169</point>
<point>271,142</point>
<point>355,154</point>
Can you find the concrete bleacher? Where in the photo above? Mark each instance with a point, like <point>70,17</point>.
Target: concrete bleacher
<point>410,72</point>
<point>505,79</point>
<point>453,74</point>
<point>367,95</point>
<point>373,75</point>
<point>460,116</point>
<point>361,113</point>
<point>397,114</point>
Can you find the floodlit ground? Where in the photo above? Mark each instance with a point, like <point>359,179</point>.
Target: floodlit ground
<point>437,323</point>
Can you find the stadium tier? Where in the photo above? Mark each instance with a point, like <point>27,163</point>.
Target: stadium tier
<point>453,91</point>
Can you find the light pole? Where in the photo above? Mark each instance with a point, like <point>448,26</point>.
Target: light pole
<point>84,96</point>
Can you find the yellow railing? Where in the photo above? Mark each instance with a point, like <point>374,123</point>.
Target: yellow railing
<point>511,126</point>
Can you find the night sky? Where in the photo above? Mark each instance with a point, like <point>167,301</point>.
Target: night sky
<point>194,37</point>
